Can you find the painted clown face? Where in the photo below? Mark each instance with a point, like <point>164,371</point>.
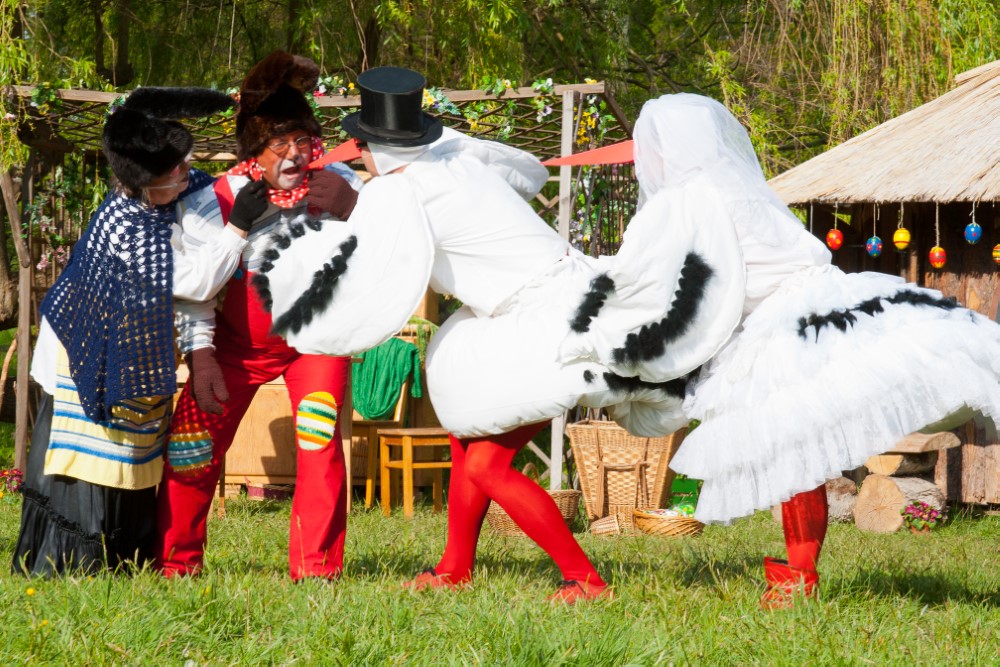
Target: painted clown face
<point>285,158</point>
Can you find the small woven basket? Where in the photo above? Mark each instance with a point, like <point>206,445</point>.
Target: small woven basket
<point>670,526</point>
<point>607,525</point>
<point>567,500</point>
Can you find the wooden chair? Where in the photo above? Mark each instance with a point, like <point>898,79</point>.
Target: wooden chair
<point>365,445</point>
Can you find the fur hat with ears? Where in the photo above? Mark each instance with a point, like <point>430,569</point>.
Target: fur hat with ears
<point>273,101</point>
<point>142,138</point>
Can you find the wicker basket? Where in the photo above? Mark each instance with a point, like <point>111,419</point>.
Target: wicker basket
<point>567,500</point>
<point>671,526</point>
<point>620,472</point>
<point>607,525</point>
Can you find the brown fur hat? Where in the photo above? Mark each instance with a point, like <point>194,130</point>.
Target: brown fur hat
<point>273,101</point>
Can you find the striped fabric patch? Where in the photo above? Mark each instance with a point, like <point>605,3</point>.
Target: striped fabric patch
<point>315,420</point>
<point>189,450</point>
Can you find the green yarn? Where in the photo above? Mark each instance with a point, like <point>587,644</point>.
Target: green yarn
<point>377,380</point>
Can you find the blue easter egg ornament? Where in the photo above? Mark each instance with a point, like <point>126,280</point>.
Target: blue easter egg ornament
<point>874,246</point>
<point>973,232</point>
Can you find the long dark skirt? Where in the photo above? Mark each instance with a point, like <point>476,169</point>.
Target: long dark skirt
<point>72,526</point>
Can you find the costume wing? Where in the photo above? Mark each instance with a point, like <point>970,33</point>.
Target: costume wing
<point>339,288</point>
<point>671,297</point>
<point>521,170</point>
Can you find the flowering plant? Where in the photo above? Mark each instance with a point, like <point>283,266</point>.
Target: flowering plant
<point>920,515</point>
<point>10,481</point>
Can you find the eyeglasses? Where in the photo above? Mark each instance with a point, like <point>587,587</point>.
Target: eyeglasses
<point>302,145</point>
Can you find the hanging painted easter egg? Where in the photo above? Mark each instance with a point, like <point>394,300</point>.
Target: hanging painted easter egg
<point>834,239</point>
<point>996,253</point>
<point>973,232</point>
<point>937,256</point>
<point>874,246</point>
<point>901,239</point>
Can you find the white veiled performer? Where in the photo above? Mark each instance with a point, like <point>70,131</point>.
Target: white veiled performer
<point>825,369</point>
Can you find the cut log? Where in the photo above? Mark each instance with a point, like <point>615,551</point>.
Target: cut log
<point>841,493</point>
<point>882,498</point>
<point>918,443</point>
<point>902,465</point>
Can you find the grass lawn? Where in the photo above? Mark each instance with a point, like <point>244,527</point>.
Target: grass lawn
<point>886,599</point>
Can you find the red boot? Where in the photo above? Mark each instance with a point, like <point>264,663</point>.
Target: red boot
<point>785,582</point>
<point>804,519</point>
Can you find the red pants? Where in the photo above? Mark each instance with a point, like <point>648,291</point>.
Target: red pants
<point>199,442</point>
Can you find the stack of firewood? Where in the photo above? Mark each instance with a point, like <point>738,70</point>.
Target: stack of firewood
<point>889,482</point>
<point>900,477</point>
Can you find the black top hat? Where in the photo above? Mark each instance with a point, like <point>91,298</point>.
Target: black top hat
<point>390,109</point>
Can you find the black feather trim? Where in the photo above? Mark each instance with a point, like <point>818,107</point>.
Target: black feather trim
<point>319,293</point>
<point>673,387</point>
<point>588,377</point>
<point>296,230</point>
<point>842,318</point>
<point>652,339</point>
<point>314,224</point>
<point>593,300</point>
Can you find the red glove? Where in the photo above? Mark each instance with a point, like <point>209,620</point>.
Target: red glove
<point>207,383</point>
<point>330,192</point>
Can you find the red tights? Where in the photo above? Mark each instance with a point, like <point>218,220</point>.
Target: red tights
<point>804,518</point>
<point>481,470</point>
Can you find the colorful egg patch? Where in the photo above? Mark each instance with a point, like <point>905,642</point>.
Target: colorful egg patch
<point>901,238</point>
<point>316,420</point>
<point>937,256</point>
<point>874,246</point>
<point>189,452</point>
<point>973,232</point>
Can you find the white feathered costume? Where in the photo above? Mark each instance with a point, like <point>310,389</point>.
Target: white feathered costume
<point>543,327</point>
<point>811,370</point>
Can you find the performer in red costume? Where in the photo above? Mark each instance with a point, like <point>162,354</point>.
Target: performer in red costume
<point>230,353</point>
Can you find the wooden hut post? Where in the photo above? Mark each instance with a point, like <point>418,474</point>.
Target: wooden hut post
<point>23,319</point>
<point>565,211</point>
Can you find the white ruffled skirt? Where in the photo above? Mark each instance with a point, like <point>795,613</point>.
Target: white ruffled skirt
<point>791,401</point>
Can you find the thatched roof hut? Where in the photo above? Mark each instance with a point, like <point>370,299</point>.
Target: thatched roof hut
<point>934,170</point>
<point>947,150</point>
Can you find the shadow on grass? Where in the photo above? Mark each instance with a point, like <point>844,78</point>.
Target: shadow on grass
<point>929,588</point>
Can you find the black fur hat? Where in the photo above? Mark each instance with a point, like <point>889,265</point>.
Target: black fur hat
<point>273,101</point>
<point>142,138</point>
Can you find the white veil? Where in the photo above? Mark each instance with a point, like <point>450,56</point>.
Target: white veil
<point>683,137</point>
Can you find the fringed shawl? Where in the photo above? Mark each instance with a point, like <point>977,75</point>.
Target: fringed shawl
<point>112,308</point>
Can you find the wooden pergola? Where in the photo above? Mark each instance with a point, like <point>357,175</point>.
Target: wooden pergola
<point>74,120</point>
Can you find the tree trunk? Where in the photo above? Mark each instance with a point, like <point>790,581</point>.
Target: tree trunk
<point>882,498</point>
<point>901,465</point>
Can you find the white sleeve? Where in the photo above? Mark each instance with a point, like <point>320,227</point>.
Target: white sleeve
<point>195,324</point>
<point>201,268</point>
<point>206,250</point>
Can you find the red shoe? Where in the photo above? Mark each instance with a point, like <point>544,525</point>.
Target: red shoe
<point>572,591</point>
<point>785,584</point>
<point>429,578</point>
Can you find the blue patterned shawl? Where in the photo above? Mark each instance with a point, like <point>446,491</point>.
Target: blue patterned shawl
<point>112,307</point>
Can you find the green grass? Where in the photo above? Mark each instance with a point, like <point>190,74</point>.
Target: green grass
<point>886,599</point>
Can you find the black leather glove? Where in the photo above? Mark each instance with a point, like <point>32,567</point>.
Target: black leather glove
<point>207,383</point>
<point>330,192</point>
<point>250,204</point>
